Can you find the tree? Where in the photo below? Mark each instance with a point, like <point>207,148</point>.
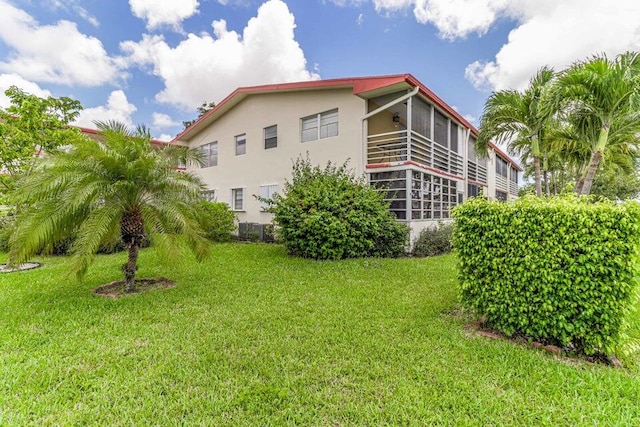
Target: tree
<point>202,110</point>
<point>615,182</point>
<point>602,97</point>
<point>518,119</point>
<point>121,187</point>
<point>31,126</point>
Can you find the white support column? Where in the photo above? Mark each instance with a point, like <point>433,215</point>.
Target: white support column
<point>465,164</point>
<point>407,185</point>
<point>431,133</point>
<point>409,126</point>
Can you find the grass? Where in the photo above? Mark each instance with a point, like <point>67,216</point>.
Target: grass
<point>253,337</point>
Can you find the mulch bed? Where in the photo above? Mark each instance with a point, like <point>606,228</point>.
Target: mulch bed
<point>479,328</point>
<point>116,289</point>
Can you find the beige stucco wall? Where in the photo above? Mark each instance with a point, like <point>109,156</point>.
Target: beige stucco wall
<point>264,167</point>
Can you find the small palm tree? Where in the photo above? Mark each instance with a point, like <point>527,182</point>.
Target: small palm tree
<point>602,97</point>
<point>518,119</point>
<point>117,187</point>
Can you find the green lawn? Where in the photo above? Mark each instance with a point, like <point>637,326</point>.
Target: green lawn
<point>253,337</point>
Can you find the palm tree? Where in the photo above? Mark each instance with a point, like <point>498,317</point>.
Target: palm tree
<point>602,98</point>
<point>118,187</point>
<point>518,119</point>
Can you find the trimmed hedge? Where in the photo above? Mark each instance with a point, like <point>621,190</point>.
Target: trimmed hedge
<point>330,214</point>
<point>558,270</point>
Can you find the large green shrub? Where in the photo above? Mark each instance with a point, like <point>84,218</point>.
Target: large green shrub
<point>217,220</point>
<point>329,214</point>
<point>560,270</point>
<point>434,241</point>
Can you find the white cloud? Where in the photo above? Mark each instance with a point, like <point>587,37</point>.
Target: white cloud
<point>75,7</point>
<point>360,20</point>
<point>547,32</point>
<point>471,119</point>
<point>206,68</point>
<point>56,53</point>
<point>164,12</point>
<point>452,18</point>
<point>459,18</point>
<point>392,5</point>
<point>117,108</point>
<point>557,34</point>
<point>8,80</point>
<point>165,138</point>
<point>162,120</point>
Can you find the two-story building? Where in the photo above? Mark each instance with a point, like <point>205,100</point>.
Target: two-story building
<point>407,142</point>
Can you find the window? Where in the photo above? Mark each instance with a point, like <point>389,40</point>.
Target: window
<point>209,195</point>
<point>440,129</point>
<point>428,196</point>
<point>501,166</point>
<point>514,175</point>
<point>473,190</point>
<point>267,192</point>
<point>454,137</point>
<point>210,154</point>
<point>271,137</point>
<point>421,117</point>
<point>241,144</point>
<point>471,150</point>
<point>501,195</point>
<point>237,199</point>
<point>318,126</point>
<point>393,185</point>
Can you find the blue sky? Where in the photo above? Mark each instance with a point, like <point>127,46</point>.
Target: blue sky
<point>155,61</point>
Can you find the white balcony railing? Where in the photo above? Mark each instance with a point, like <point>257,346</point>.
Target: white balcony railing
<point>393,147</point>
<point>513,188</point>
<point>476,172</point>
<point>501,183</point>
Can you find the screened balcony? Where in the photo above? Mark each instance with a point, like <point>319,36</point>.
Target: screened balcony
<point>414,131</point>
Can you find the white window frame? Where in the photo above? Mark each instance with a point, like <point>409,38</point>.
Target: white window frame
<point>210,195</point>
<point>232,199</point>
<point>320,126</point>
<point>241,141</point>
<point>206,151</point>
<point>270,138</point>
<point>267,191</point>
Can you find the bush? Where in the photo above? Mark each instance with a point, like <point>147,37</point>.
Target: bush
<point>558,270</point>
<point>329,214</point>
<point>6,228</point>
<point>217,220</point>
<point>434,241</point>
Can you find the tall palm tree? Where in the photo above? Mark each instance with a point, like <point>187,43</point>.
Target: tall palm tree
<point>117,187</point>
<point>518,119</point>
<point>603,98</point>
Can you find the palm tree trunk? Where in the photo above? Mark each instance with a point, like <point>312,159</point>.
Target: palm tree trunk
<point>545,172</point>
<point>535,151</point>
<point>591,173</point>
<point>130,268</point>
<point>579,184</point>
<point>595,160</point>
<point>536,164</point>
